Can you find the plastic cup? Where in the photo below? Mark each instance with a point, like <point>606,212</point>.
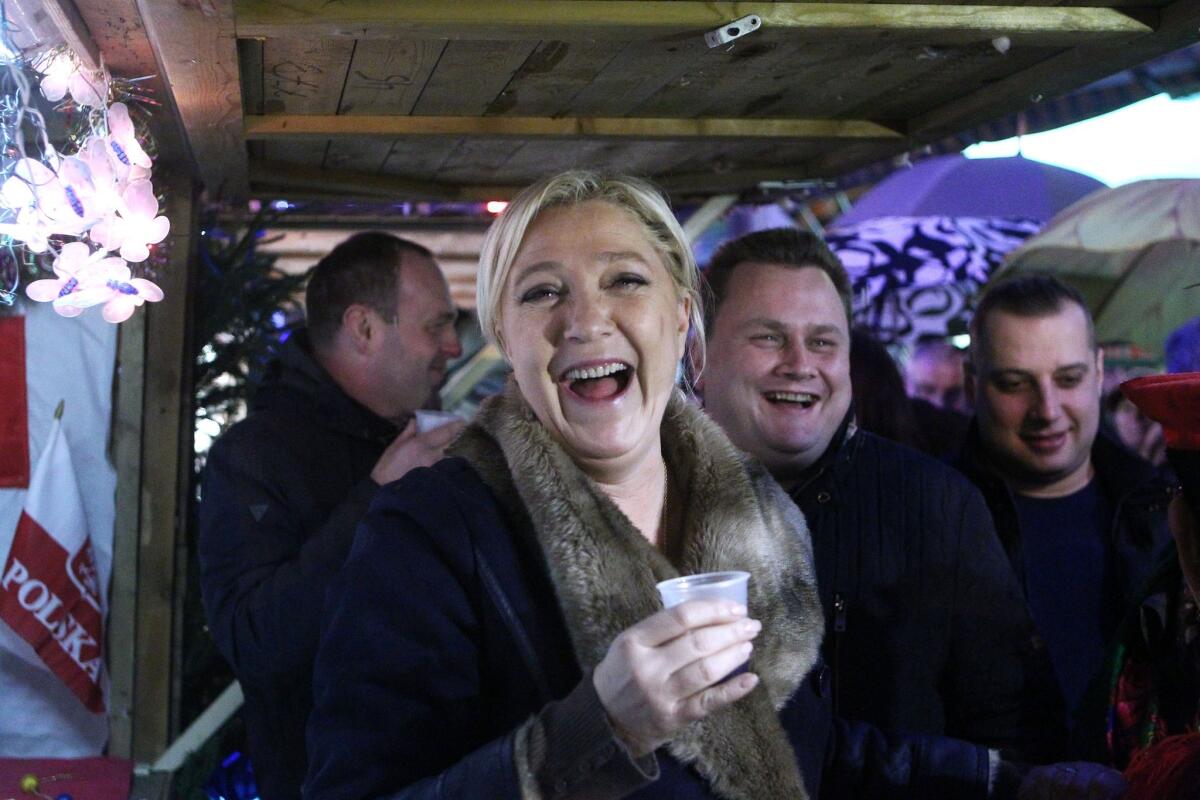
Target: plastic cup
<point>706,586</point>
<point>428,419</point>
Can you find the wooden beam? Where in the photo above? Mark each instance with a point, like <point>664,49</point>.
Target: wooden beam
<point>629,20</point>
<point>127,460</point>
<point>1179,26</point>
<point>289,126</point>
<point>166,462</point>
<point>196,51</point>
<point>66,18</point>
<point>294,180</point>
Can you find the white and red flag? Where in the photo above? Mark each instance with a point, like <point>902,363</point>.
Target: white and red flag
<point>49,588</point>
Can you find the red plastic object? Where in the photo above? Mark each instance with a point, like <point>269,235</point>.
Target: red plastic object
<point>1173,401</point>
<point>83,778</point>
<point>14,415</point>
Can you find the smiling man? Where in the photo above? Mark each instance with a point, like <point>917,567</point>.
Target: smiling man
<point>1081,518</point>
<point>926,630</point>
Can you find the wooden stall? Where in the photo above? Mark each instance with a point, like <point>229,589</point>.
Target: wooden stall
<point>428,99</point>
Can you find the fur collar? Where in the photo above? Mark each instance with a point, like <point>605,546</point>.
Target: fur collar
<point>604,570</point>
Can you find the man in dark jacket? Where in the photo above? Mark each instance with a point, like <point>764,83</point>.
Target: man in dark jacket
<point>926,628</point>
<point>1082,519</point>
<point>285,488</point>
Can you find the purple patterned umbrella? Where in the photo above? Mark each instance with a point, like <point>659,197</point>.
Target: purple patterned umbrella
<point>922,242</point>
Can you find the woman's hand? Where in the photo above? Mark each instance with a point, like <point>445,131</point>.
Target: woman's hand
<point>662,673</point>
<point>1080,780</point>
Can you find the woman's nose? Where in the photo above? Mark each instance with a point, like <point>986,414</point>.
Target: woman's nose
<point>588,317</point>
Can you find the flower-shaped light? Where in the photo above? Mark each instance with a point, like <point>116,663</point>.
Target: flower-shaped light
<point>45,205</point>
<point>106,280</point>
<point>130,162</point>
<point>75,266</point>
<point>63,74</point>
<point>135,226</point>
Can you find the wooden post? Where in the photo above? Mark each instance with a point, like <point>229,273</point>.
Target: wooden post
<point>165,445</point>
<point>127,460</point>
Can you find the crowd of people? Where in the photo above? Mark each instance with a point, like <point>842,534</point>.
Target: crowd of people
<point>969,592</point>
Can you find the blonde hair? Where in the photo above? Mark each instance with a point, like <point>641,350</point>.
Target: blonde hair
<point>637,197</point>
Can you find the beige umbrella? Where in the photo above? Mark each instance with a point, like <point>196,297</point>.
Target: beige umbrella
<point>1132,251</point>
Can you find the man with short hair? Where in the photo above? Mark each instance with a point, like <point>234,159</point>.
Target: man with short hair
<point>285,488</point>
<point>1081,518</point>
<point>934,373</point>
<point>926,630</point>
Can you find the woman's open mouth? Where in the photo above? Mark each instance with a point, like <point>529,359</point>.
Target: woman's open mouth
<point>600,382</point>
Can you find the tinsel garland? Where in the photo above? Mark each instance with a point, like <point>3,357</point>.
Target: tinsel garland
<point>87,212</point>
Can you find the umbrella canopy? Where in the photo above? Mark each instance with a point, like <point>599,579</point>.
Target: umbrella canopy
<point>1132,251</point>
<point>957,186</point>
<point>915,277</point>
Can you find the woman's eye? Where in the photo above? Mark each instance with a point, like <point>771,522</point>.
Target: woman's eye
<point>630,280</point>
<point>538,294</point>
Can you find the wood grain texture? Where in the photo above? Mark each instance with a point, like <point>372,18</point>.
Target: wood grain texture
<point>630,20</point>
<point>470,76</point>
<point>196,51</point>
<point>387,77</point>
<point>1178,26</point>
<point>166,419</point>
<point>287,126</point>
<point>126,456</point>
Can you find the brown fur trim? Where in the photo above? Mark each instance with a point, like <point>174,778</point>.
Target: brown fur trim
<point>604,570</point>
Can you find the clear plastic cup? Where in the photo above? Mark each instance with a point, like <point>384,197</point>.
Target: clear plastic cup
<point>428,419</point>
<point>706,586</point>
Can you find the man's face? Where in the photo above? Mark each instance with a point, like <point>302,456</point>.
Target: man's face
<point>936,379</point>
<point>1036,385</point>
<point>411,358</point>
<point>778,372</point>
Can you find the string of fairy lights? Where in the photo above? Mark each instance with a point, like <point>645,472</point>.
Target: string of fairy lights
<point>88,212</point>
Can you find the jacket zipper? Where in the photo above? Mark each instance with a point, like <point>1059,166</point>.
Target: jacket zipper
<point>839,627</point>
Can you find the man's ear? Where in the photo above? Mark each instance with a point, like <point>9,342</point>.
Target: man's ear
<point>1100,371</point>
<point>359,326</point>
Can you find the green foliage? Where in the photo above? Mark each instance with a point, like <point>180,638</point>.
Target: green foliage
<point>239,295</point>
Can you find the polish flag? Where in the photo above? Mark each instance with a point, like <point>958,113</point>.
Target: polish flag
<point>49,589</point>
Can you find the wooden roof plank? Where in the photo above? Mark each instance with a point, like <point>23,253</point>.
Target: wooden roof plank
<point>71,26</point>
<point>305,76</point>
<point>292,126</point>
<point>627,20</point>
<point>197,54</point>
<point>1179,26</point>
<point>470,76</point>
<point>290,177</point>
<point>639,70</point>
<point>549,80</point>
<point>387,77</point>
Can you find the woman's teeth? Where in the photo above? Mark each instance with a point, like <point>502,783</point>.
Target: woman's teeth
<point>594,372</point>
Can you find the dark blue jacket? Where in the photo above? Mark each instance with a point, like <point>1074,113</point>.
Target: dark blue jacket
<point>442,635</point>
<point>283,492</point>
<point>1139,539</point>
<point>926,626</point>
